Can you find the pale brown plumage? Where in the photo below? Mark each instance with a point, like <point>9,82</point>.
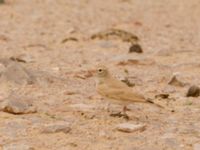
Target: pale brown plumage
<point>111,88</point>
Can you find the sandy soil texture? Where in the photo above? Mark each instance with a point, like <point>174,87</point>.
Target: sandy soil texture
<point>48,53</point>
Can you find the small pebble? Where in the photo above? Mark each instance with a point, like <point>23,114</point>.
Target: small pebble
<point>128,127</point>
<point>135,48</point>
<point>193,91</point>
<point>175,82</point>
<point>25,58</point>
<point>162,95</point>
<point>15,104</point>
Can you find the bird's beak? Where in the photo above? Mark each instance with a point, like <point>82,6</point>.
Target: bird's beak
<point>92,71</point>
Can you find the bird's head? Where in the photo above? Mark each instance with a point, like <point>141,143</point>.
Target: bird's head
<point>101,71</point>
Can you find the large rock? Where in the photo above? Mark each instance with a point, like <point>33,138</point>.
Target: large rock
<point>16,73</point>
<point>18,105</point>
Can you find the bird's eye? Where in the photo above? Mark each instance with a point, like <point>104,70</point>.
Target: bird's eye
<point>100,70</point>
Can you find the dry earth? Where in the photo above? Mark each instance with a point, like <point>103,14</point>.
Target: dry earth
<point>47,57</point>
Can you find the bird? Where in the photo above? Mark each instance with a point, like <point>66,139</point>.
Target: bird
<point>111,88</point>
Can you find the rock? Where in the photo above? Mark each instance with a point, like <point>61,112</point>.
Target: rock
<point>17,146</point>
<point>25,58</point>
<point>18,105</point>
<point>196,146</point>
<point>162,95</point>
<point>57,127</point>
<point>135,48</point>
<point>174,81</point>
<point>128,127</point>
<point>16,73</point>
<point>193,91</point>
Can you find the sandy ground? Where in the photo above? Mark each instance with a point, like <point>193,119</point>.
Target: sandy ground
<point>55,37</point>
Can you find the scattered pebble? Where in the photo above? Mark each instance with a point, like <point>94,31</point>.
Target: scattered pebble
<point>57,127</point>
<point>128,127</point>
<point>162,95</point>
<point>18,105</point>
<point>25,58</point>
<point>174,81</point>
<point>16,73</point>
<point>193,91</point>
<point>135,48</point>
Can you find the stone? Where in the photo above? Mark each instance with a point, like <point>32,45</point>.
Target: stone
<point>25,58</point>
<point>15,104</point>
<point>175,82</point>
<point>129,127</point>
<point>193,91</point>
<point>57,127</point>
<point>16,73</point>
<point>135,48</point>
<point>162,95</point>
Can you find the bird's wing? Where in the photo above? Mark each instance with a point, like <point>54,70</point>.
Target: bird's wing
<point>121,94</point>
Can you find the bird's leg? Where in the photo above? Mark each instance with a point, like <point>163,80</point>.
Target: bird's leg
<point>121,114</point>
<point>124,110</point>
<point>125,115</point>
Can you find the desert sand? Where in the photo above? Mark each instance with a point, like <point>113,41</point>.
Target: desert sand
<point>48,53</point>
